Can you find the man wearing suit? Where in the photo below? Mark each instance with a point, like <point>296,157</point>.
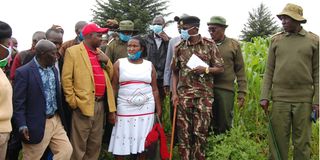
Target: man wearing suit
<point>37,105</point>
<point>86,83</point>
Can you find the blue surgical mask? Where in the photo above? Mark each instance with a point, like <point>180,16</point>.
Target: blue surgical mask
<point>81,37</point>
<point>134,56</point>
<point>110,33</point>
<point>184,34</point>
<point>4,61</point>
<point>124,37</point>
<point>157,29</point>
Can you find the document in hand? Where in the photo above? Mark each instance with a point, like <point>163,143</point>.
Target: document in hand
<point>195,61</point>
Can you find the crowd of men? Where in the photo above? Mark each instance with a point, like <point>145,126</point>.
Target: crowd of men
<point>61,102</point>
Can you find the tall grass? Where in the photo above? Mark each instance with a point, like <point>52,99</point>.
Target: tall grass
<point>248,138</point>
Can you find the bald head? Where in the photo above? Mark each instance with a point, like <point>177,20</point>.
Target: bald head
<point>46,53</point>
<point>44,46</point>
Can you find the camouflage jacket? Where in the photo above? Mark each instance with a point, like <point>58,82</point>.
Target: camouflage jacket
<point>190,84</point>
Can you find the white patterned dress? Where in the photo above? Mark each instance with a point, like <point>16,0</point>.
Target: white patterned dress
<point>135,108</point>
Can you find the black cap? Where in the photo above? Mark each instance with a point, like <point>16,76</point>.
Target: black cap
<point>193,20</point>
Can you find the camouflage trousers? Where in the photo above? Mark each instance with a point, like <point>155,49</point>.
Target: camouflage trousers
<point>193,121</point>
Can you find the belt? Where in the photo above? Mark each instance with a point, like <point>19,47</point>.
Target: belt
<point>98,99</point>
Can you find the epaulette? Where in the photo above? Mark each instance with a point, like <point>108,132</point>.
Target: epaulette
<point>314,36</point>
<point>179,44</point>
<point>208,40</point>
<point>277,34</point>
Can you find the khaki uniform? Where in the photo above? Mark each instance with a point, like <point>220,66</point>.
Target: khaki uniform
<point>116,49</point>
<point>234,68</point>
<point>195,95</point>
<point>292,80</point>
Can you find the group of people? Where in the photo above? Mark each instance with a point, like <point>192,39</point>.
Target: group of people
<point>63,100</point>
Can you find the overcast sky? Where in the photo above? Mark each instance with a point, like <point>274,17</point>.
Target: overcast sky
<point>28,16</point>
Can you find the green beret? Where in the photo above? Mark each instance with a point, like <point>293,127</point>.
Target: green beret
<point>218,20</point>
<point>189,20</point>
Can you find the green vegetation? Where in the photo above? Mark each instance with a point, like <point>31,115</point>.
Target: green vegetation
<point>248,138</point>
<point>141,12</point>
<point>260,23</point>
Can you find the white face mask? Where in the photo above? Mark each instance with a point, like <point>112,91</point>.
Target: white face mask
<point>9,52</point>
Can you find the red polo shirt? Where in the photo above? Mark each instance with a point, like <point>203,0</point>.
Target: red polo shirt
<point>99,79</point>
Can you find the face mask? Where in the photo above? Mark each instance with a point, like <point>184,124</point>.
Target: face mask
<point>81,37</point>
<point>124,37</point>
<point>185,34</point>
<point>156,29</point>
<point>4,61</point>
<point>110,33</point>
<point>134,56</point>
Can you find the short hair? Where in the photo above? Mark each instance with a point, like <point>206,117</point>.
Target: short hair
<point>142,45</point>
<point>159,17</point>
<point>38,35</point>
<point>43,46</point>
<point>79,25</point>
<point>56,30</point>
<point>5,30</point>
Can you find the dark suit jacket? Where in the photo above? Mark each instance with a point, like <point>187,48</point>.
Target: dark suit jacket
<point>29,101</point>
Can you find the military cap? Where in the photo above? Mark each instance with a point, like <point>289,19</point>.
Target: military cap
<point>189,20</point>
<point>177,18</point>
<point>112,24</point>
<point>126,25</point>
<point>294,11</point>
<point>218,20</point>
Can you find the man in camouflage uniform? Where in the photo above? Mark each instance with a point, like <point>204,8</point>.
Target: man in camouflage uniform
<point>230,51</point>
<point>292,79</point>
<point>117,48</point>
<point>193,88</point>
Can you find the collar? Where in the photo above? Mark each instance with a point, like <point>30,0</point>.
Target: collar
<point>156,37</point>
<point>302,32</point>
<point>222,41</point>
<point>200,40</point>
<point>38,64</point>
<point>89,50</point>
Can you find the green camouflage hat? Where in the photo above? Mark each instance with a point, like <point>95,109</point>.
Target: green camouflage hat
<point>293,11</point>
<point>218,20</point>
<point>126,25</point>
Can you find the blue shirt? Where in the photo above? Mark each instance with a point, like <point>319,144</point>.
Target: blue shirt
<point>49,87</point>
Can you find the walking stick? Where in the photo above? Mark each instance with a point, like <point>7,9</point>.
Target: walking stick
<point>172,130</point>
<point>273,138</point>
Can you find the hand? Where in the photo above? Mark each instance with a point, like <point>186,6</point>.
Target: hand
<point>112,117</point>
<point>175,100</point>
<point>166,90</point>
<point>102,57</point>
<point>240,102</point>
<point>199,70</point>
<point>164,36</point>
<point>315,107</point>
<point>25,134</point>
<point>264,104</point>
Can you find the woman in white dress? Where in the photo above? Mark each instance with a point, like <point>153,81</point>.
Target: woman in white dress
<point>135,86</point>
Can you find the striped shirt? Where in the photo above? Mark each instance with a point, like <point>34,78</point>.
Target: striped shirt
<point>99,79</point>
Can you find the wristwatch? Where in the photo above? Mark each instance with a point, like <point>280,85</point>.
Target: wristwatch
<point>207,70</point>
